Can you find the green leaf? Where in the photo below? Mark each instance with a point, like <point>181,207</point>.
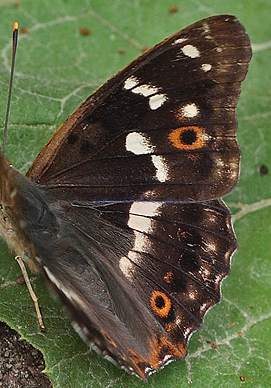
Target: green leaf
<point>56,68</point>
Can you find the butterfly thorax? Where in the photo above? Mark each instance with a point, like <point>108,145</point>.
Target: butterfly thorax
<point>21,203</point>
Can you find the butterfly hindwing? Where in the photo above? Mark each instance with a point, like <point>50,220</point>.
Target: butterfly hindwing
<point>148,273</point>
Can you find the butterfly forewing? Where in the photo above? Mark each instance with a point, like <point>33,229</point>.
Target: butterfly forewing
<point>124,217</point>
<point>162,128</point>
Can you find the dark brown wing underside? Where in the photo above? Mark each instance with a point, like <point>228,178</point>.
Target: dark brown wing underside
<point>132,178</point>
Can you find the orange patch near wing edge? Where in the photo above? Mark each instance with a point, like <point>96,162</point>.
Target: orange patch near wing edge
<point>109,339</point>
<point>163,346</point>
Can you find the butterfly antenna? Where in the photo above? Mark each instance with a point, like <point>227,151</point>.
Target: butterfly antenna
<point>14,47</point>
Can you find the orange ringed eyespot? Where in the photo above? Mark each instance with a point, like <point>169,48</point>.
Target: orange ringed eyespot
<point>160,303</point>
<point>188,138</point>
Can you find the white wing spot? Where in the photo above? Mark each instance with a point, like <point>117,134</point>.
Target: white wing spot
<point>211,217</point>
<point>148,209</point>
<point>234,171</point>
<point>130,82</point>
<point>205,137</point>
<point>138,222</point>
<point>210,247</point>
<point>206,28</point>
<point>206,67</point>
<point>205,273</point>
<point>142,242</point>
<point>161,167</point>
<point>157,100</point>
<point>138,144</point>
<point>220,162</point>
<point>145,90</point>
<point>190,110</point>
<point>126,267</point>
<point>150,194</point>
<point>180,40</point>
<point>203,307</point>
<point>141,221</point>
<point>192,295</point>
<point>190,51</point>
<point>218,278</point>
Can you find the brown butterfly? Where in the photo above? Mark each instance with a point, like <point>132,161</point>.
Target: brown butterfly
<point>121,210</point>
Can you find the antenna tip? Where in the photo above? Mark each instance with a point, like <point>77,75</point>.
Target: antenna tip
<point>15,26</point>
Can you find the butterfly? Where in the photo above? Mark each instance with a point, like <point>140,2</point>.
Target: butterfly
<point>122,210</point>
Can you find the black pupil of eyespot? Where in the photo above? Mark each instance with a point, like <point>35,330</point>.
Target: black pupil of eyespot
<point>188,137</point>
<point>160,302</point>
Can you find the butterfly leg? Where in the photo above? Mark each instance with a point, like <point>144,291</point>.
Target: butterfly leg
<point>31,291</point>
